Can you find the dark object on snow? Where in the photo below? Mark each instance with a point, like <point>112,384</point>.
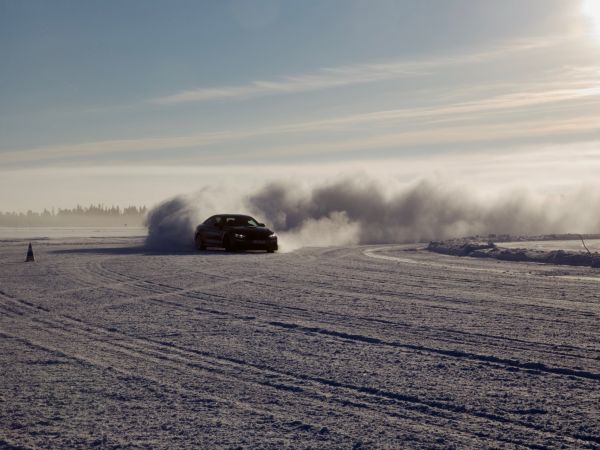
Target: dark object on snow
<point>459,247</point>
<point>30,257</point>
<point>235,232</point>
<point>585,246</point>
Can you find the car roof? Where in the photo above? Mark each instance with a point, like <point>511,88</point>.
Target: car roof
<point>233,215</point>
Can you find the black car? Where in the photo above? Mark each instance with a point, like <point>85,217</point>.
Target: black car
<point>235,232</point>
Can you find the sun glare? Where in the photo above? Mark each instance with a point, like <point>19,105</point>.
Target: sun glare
<point>591,9</point>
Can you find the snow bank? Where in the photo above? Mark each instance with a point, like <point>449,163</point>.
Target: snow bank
<point>461,247</point>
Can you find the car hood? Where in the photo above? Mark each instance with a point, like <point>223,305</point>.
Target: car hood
<point>251,232</point>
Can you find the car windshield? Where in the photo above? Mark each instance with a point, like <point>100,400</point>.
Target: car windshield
<point>241,221</point>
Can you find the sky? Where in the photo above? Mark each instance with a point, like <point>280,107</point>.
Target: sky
<point>131,102</point>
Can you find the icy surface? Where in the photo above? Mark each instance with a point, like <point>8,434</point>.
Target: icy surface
<point>526,252</point>
<point>571,245</point>
<point>105,344</point>
<point>63,232</point>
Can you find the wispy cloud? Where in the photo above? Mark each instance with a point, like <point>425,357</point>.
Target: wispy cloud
<point>323,79</point>
<point>578,91</point>
<point>334,77</point>
<point>481,118</point>
<point>435,135</point>
<point>453,135</point>
<point>545,166</point>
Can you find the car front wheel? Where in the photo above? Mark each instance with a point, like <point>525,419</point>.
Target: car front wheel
<point>228,244</point>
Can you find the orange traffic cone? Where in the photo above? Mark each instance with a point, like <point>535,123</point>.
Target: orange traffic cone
<point>30,254</point>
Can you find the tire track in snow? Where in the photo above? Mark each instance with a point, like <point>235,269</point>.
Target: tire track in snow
<point>451,408</point>
<point>368,397</point>
<point>144,281</point>
<point>134,373</point>
<point>163,354</point>
<point>165,290</point>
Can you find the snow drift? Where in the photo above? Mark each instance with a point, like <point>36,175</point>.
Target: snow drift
<point>465,247</point>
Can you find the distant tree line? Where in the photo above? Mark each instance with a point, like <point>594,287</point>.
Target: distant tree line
<point>93,215</point>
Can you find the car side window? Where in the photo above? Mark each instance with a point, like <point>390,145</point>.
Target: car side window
<point>216,221</point>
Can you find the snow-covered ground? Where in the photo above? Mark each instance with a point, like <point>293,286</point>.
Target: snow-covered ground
<point>567,245</point>
<point>106,344</point>
<point>62,232</point>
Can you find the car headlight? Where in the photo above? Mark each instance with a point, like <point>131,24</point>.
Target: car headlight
<point>239,236</point>
<point>273,236</point>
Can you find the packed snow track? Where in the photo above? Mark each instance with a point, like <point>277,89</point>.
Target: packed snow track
<point>105,344</point>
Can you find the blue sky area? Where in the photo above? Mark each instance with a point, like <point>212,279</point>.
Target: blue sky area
<point>133,101</point>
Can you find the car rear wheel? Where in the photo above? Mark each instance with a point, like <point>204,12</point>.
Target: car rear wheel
<point>200,245</point>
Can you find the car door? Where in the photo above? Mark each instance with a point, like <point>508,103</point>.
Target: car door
<point>213,231</point>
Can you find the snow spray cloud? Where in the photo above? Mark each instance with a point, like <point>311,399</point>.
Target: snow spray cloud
<point>171,224</point>
<point>362,212</point>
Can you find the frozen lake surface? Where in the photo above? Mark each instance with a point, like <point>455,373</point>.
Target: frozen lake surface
<point>104,344</point>
<point>65,232</point>
<point>568,245</point>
